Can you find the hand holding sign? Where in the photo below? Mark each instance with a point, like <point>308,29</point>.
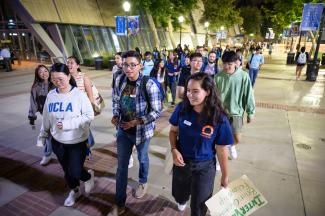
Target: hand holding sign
<point>241,197</point>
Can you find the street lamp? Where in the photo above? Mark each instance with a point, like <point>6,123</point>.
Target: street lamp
<point>180,20</point>
<point>206,25</point>
<point>126,7</point>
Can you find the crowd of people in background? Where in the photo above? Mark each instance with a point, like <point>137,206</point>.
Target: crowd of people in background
<point>212,90</point>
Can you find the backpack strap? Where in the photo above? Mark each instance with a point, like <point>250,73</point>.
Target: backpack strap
<point>250,62</point>
<point>144,92</point>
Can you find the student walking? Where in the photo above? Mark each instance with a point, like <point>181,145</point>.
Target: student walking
<point>41,86</point>
<point>196,62</point>
<point>301,59</point>
<point>67,115</point>
<point>236,95</point>
<point>136,106</point>
<point>173,69</point>
<point>256,60</point>
<point>85,85</point>
<point>199,129</point>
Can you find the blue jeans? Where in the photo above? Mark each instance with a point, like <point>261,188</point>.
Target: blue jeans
<point>125,143</point>
<point>253,75</point>
<point>48,147</point>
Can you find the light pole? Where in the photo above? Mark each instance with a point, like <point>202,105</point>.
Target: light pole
<point>180,20</point>
<point>126,7</point>
<point>206,25</point>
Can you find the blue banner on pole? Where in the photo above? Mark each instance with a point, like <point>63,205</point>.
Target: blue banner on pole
<point>120,25</point>
<point>133,25</point>
<point>311,17</point>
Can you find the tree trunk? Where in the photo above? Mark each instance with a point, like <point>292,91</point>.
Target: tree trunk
<point>171,35</point>
<point>153,29</point>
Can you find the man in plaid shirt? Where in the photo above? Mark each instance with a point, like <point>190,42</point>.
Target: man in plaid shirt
<point>135,120</point>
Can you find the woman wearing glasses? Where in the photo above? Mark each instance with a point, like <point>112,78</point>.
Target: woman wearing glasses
<point>66,117</point>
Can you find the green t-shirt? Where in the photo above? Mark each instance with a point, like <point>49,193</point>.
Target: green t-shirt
<point>236,92</point>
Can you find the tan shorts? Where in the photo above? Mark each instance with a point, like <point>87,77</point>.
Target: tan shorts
<point>236,123</point>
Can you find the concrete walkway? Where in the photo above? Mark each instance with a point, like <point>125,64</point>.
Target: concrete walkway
<point>281,151</point>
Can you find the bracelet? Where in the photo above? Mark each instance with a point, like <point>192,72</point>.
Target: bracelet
<point>173,148</point>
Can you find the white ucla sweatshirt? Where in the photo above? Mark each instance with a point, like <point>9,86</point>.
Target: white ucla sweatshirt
<point>75,112</point>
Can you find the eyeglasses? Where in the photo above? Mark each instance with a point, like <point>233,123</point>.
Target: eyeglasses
<point>57,80</point>
<point>132,66</point>
<point>197,61</point>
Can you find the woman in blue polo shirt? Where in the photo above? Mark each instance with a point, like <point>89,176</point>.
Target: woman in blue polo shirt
<point>199,129</point>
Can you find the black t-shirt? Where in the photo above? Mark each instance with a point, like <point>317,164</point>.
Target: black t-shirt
<point>185,73</point>
<point>128,104</point>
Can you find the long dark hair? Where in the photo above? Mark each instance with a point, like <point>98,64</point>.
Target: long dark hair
<point>212,104</point>
<point>154,71</point>
<point>175,61</point>
<point>38,79</point>
<point>77,61</point>
<point>59,67</point>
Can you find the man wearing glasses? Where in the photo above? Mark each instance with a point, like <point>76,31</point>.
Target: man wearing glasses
<point>196,65</point>
<point>135,120</point>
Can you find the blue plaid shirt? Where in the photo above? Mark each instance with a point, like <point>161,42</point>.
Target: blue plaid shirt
<point>145,130</point>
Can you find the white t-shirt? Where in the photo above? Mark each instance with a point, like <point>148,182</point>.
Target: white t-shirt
<point>147,67</point>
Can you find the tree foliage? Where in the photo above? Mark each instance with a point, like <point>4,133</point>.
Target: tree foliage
<point>252,20</point>
<point>280,13</point>
<point>164,10</point>
<point>221,13</point>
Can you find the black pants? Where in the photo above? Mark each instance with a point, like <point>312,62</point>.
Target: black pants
<point>72,158</point>
<point>195,179</point>
<point>7,63</point>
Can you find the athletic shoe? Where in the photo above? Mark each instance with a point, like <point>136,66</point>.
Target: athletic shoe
<point>181,207</point>
<point>45,160</point>
<point>141,190</point>
<point>233,152</point>
<point>71,199</point>
<point>89,185</point>
<point>116,211</point>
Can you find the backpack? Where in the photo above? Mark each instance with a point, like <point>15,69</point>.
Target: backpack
<point>143,85</point>
<point>302,58</point>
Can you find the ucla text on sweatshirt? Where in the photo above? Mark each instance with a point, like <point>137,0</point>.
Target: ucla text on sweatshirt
<point>75,112</point>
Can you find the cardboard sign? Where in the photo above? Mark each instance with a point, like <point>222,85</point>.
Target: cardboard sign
<point>240,198</point>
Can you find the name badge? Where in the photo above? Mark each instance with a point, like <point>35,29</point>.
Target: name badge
<point>187,123</point>
<point>132,96</point>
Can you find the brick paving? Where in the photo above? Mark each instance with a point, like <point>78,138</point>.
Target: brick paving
<point>47,189</point>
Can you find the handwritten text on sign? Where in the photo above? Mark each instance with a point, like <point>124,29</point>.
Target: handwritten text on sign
<point>240,198</point>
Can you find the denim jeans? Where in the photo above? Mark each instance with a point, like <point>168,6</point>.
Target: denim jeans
<point>195,179</point>
<point>172,86</point>
<point>253,75</point>
<point>91,140</point>
<point>125,143</point>
<point>48,147</point>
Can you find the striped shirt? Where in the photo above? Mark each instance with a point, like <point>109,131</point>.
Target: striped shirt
<point>146,130</point>
<point>80,80</point>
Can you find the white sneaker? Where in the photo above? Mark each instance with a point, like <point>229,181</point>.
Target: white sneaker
<point>71,199</point>
<point>130,162</point>
<point>217,165</point>
<point>233,152</point>
<point>181,207</point>
<point>89,185</point>
<point>45,160</point>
